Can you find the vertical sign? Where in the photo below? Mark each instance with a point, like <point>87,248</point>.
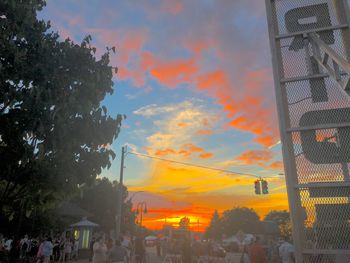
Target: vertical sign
<point>314,120</point>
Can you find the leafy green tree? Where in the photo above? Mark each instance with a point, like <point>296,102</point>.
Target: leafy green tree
<point>241,218</point>
<point>101,199</point>
<point>53,128</point>
<point>214,230</point>
<point>282,219</point>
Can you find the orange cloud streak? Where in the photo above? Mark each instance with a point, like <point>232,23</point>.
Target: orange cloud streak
<point>255,156</point>
<point>277,165</point>
<point>206,155</point>
<point>175,72</point>
<point>203,132</point>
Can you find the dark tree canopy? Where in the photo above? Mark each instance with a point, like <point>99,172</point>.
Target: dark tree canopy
<point>282,219</point>
<point>214,230</point>
<point>241,218</point>
<point>53,128</point>
<point>101,199</point>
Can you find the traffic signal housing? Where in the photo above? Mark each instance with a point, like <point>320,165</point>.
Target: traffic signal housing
<point>264,186</point>
<point>257,187</point>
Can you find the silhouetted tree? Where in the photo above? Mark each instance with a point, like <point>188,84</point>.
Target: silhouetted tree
<point>101,199</point>
<point>214,230</point>
<point>184,223</point>
<point>282,219</point>
<point>241,218</point>
<point>53,128</point>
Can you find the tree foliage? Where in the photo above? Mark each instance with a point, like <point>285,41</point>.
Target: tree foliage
<point>184,223</point>
<point>214,230</point>
<point>53,128</point>
<point>241,218</point>
<point>282,219</point>
<point>101,199</point>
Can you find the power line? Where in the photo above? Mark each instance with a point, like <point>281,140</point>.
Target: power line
<point>193,165</point>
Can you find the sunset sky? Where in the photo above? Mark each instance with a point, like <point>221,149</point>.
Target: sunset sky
<point>195,82</point>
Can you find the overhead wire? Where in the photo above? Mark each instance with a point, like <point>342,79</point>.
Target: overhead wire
<point>194,165</point>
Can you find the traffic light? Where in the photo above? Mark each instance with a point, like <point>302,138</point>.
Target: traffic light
<point>257,187</point>
<point>264,186</point>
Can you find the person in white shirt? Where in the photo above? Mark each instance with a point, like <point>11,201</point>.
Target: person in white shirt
<point>126,244</point>
<point>8,244</point>
<point>286,252</point>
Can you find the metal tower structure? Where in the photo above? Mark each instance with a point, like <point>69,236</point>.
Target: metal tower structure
<point>310,44</point>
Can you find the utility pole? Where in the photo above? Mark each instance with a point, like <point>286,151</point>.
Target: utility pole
<point>120,194</point>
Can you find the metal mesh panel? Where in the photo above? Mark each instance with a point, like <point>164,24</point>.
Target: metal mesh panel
<point>319,259</point>
<point>316,115</point>
<point>299,98</point>
<point>328,213</point>
<point>283,6</point>
<point>294,61</point>
<point>308,171</point>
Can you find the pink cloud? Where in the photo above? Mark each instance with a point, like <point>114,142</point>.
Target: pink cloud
<point>234,76</point>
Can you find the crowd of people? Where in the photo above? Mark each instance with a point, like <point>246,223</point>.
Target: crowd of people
<point>63,248</point>
<point>123,250</point>
<point>250,251</point>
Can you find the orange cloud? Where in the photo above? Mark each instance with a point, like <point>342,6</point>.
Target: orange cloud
<point>255,156</point>
<point>203,132</point>
<point>165,152</point>
<point>206,155</point>
<point>192,148</point>
<point>277,165</point>
<point>248,111</point>
<point>266,140</point>
<point>182,124</point>
<point>175,72</point>
<point>242,98</point>
<point>185,150</point>
<point>213,79</point>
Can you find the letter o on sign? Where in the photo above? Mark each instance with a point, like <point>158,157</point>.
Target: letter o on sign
<point>326,152</point>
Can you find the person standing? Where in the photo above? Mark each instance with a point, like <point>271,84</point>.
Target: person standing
<point>68,249</point>
<point>245,257</point>
<point>8,244</point>
<point>99,250</point>
<point>164,246</point>
<point>118,254</point>
<point>286,252</point>
<point>158,247</point>
<point>75,249</point>
<point>56,249</point>
<point>62,243</point>
<point>47,249</point>
<point>91,248</point>
<point>186,251</point>
<point>39,254</point>
<point>127,245</point>
<point>139,248</point>
<point>256,252</point>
